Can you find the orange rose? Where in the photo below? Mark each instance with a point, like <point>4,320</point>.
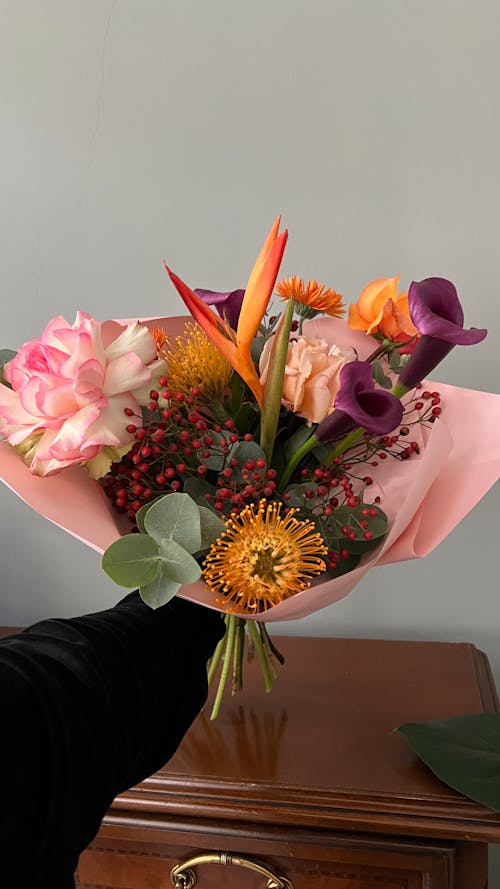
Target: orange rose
<point>379,309</point>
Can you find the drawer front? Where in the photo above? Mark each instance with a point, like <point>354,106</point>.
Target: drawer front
<point>122,864</point>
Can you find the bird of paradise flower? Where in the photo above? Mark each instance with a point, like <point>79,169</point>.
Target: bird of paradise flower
<point>235,344</point>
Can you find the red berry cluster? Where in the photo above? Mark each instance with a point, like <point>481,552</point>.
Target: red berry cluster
<point>238,485</point>
<point>177,440</point>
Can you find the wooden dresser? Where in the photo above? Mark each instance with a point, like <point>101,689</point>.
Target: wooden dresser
<point>309,783</point>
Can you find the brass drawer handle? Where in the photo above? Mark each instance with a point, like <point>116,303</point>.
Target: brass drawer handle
<point>184,877</point>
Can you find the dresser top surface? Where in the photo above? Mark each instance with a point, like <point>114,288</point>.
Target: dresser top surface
<point>324,737</point>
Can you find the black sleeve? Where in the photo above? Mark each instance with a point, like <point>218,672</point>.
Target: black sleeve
<point>89,707</point>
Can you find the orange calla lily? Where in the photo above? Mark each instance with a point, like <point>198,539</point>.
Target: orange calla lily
<point>235,345</point>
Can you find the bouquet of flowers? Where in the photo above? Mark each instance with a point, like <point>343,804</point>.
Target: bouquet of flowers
<point>257,460</point>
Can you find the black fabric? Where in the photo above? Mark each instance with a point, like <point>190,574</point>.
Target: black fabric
<point>89,707</point>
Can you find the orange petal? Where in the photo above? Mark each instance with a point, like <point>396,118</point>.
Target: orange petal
<point>259,288</point>
<point>220,335</point>
<point>373,298</point>
<point>356,322</point>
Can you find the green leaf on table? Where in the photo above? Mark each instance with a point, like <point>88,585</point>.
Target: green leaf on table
<point>160,590</point>
<point>464,752</point>
<point>175,517</point>
<point>211,527</point>
<point>177,564</point>
<point>132,561</point>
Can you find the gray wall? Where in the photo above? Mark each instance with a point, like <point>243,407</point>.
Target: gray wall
<point>137,131</point>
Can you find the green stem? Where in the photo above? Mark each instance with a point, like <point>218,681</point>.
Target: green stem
<point>214,663</point>
<point>275,651</point>
<point>348,442</point>
<point>301,322</point>
<point>259,648</point>
<point>273,390</point>
<point>231,629</point>
<point>239,649</point>
<point>399,390</point>
<point>302,452</point>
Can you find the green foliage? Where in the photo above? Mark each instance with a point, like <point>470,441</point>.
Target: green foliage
<point>211,527</point>
<point>352,517</point>
<point>178,565</point>
<point>175,517</point>
<point>6,355</point>
<point>160,590</point>
<point>161,559</point>
<point>132,561</point>
<point>295,442</point>
<point>464,752</point>
<point>246,450</point>
<point>380,377</point>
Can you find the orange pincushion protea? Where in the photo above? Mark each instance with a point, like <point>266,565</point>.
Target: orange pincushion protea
<point>263,558</point>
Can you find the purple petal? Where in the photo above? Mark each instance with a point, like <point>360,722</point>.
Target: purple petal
<point>428,353</point>
<point>378,411</point>
<point>436,311</point>
<point>360,404</point>
<point>228,303</point>
<point>354,376</point>
<point>335,426</point>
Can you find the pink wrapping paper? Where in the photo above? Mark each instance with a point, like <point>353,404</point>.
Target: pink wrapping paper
<point>424,497</point>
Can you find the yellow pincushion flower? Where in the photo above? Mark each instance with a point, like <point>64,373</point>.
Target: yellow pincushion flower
<point>263,558</point>
<point>193,361</point>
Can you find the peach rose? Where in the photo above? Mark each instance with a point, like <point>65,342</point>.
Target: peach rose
<point>381,310</point>
<point>311,376</point>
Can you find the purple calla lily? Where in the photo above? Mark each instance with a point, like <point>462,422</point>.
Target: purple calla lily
<point>360,405</point>
<point>228,304</point>
<point>438,316</point>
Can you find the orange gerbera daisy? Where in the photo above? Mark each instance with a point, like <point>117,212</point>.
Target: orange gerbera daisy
<point>316,297</point>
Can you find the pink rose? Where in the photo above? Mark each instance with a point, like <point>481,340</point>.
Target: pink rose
<point>70,390</point>
<point>311,376</point>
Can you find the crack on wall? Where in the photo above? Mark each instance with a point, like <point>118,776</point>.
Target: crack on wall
<point>93,135</point>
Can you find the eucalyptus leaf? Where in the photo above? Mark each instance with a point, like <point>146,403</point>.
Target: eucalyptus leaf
<point>132,561</point>
<point>464,752</point>
<point>198,488</point>
<point>176,517</point>
<point>177,564</point>
<point>160,591</point>
<point>247,450</point>
<point>211,527</point>
<point>141,514</point>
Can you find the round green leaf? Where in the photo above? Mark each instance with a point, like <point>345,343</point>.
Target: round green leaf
<point>211,527</point>
<point>132,560</point>
<point>175,516</point>
<point>160,591</point>
<point>177,563</point>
